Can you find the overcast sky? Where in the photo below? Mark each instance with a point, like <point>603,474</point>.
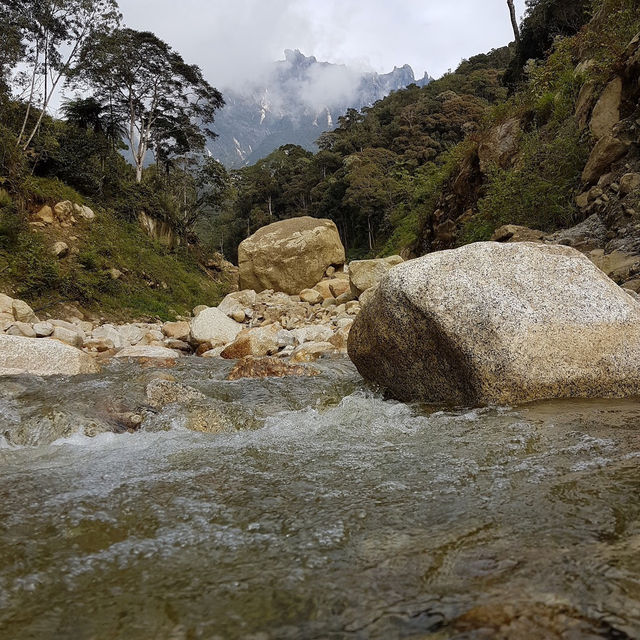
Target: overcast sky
<point>233,40</point>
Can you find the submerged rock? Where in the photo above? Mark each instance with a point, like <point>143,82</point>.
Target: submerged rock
<point>45,357</point>
<point>268,367</point>
<point>499,323</point>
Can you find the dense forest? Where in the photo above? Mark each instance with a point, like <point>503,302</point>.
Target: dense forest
<point>418,171</point>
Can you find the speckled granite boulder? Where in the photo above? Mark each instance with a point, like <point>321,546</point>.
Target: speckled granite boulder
<point>44,357</point>
<point>499,323</point>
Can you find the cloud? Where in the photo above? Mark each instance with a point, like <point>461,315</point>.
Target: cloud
<point>235,43</point>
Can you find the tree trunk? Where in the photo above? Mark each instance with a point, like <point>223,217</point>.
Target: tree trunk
<point>514,21</point>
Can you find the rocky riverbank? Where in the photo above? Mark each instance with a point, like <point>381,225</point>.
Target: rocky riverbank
<point>299,327</point>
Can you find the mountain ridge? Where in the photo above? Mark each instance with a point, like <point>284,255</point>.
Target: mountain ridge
<point>299,100</point>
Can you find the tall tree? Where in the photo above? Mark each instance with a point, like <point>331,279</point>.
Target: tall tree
<point>53,33</point>
<point>514,20</point>
<point>163,101</point>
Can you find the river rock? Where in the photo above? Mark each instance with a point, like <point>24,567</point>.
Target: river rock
<point>312,296</point>
<point>364,274</point>
<point>44,357</point>
<point>312,351</point>
<point>251,367</point>
<point>214,327</point>
<point>499,323</point>
<point>290,255</point>
<point>148,352</point>
<point>43,329</point>
<point>332,288</point>
<point>176,330</point>
<point>261,341</point>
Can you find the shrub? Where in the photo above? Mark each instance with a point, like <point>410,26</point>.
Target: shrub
<point>540,191</point>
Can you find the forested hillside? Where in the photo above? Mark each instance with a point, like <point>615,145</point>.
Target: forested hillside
<point>124,93</point>
<point>503,139</point>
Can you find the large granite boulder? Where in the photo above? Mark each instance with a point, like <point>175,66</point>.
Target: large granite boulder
<point>45,357</point>
<point>499,323</point>
<point>290,255</point>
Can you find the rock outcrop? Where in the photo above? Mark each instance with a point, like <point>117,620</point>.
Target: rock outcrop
<point>499,323</point>
<point>290,255</point>
<point>44,357</point>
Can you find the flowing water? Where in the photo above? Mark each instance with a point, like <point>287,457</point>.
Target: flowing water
<point>328,512</point>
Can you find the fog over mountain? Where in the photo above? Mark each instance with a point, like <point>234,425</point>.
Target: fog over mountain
<point>297,99</point>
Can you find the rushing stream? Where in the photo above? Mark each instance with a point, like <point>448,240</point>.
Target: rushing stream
<point>328,513</point>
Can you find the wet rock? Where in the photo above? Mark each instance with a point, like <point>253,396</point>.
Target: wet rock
<point>214,327</point>
<point>43,357</point>
<point>499,323</point>
<point>312,351</point>
<point>268,367</point>
<point>290,255</point>
<point>162,392</point>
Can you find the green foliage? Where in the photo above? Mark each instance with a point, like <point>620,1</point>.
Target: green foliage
<point>34,269</point>
<point>540,191</point>
<point>38,191</point>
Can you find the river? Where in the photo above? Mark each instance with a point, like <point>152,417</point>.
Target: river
<point>329,512</point>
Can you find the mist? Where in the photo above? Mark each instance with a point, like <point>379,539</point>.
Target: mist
<point>236,44</point>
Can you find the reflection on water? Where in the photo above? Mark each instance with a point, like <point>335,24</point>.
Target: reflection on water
<point>335,515</point>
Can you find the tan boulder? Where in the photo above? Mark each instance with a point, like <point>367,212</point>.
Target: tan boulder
<point>312,296</point>
<point>63,211</point>
<point>629,183</point>
<point>261,341</point>
<point>607,151</point>
<point>290,255</point>
<point>364,274</point>
<point>22,312</point>
<point>517,233</point>
<point>499,324</point>
<point>176,330</point>
<point>332,288</point>
<point>43,357</point>
<point>45,215</point>
<point>500,146</point>
<point>606,113</point>
<point>6,305</point>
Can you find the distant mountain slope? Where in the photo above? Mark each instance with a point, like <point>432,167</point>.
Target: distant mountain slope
<point>299,100</point>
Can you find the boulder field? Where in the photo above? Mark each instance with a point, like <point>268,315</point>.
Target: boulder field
<point>494,323</point>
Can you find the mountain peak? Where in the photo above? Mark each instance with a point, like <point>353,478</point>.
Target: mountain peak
<point>295,56</point>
